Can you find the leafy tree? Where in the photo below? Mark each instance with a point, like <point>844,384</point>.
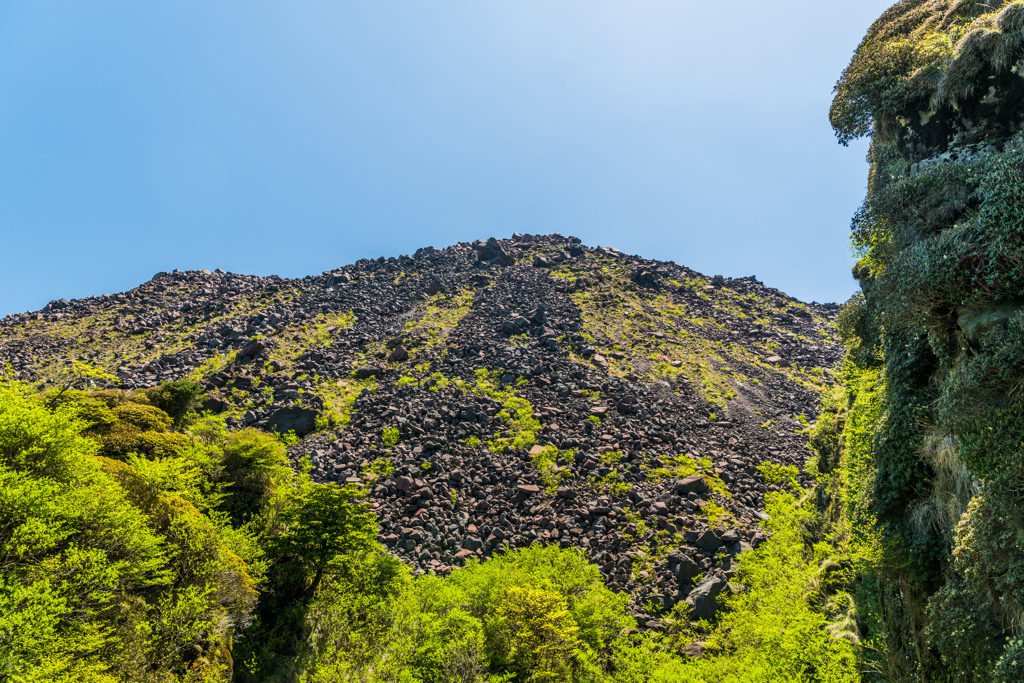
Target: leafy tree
<point>533,634</point>
<point>256,470</point>
<point>78,376</point>
<point>71,548</point>
<point>106,572</point>
<point>771,632</point>
<point>329,530</point>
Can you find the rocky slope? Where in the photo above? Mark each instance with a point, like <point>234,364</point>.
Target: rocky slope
<point>494,394</point>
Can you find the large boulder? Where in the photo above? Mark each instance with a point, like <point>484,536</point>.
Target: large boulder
<point>692,484</point>
<point>709,540</point>
<point>704,598</point>
<point>683,566</point>
<point>975,321</point>
<point>493,252</point>
<point>251,350</point>
<point>367,371</point>
<point>302,421</point>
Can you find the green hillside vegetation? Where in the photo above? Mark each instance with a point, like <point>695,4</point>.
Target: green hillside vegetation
<point>922,450</point>
<point>657,340</point>
<point>923,51</point>
<point>213,559</point>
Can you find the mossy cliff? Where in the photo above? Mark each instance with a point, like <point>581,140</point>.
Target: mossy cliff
<point>923,453</point>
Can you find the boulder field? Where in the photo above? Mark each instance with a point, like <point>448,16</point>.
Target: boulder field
<point>494,394</point>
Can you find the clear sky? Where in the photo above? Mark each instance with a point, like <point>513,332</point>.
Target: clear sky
<point>292,137</point>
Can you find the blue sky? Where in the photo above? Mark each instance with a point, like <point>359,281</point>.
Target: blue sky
<point>290,138</point>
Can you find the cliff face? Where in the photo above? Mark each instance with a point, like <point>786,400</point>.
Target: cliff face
<point>495,394</point>
<point>933,403</point>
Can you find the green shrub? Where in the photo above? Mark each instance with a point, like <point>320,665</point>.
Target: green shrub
<point>256,467</point>
<point>784,476</point>
<point>532,635</point>
<point>106,577</point>
<point>910,55</point>
<point>145,418</point>
<point>771,632</point>
<point>122,439</point>
<point>177,399</point>
<point>389,437</point>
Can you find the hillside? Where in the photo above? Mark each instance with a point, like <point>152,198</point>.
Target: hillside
<point>528,459</point>
<point>540,390</point>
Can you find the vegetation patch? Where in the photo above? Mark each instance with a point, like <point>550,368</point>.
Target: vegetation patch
<point>441,314</point>
<point>659,340</point>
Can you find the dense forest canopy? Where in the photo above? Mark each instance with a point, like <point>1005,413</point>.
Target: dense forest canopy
<point>208,558</point>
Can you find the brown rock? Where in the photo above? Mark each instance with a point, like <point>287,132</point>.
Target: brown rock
<point>366,372</point>
<point>692,484</point>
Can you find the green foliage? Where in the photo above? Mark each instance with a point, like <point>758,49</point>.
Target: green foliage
<point>545,462</point>
<point>517,413</point>
<point>327,527</point>
<point>350,628</point>
<point>544,611</point>
<point>684,465</point>
<point>389,437</point>
<point>79,376</point>
<point>124,423</point>
<point>533,635</point>
<point>925,52</point>
<point>180,536</point>
<point>107,575</point>
<point>59,580</point>
<point>922,487</point>
<point>771,631</point>
<point>177,399</point>
<point>784,476</point>
<point>967,615</point>
<point>289,438</point>
<point>440,316</point>
<point>256,470</point>
<point>181,476</point>
<point>381,468</point>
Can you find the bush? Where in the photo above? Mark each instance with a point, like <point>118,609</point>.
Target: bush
<point>105,577</point>
<point>256,467</point>
<point>532,635</point>
<point>918,50</point>
<point>389,437</point>
<point>121,439</point>
<point>770,631</point>
<point>177,399</point>
<point>145,418</point>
